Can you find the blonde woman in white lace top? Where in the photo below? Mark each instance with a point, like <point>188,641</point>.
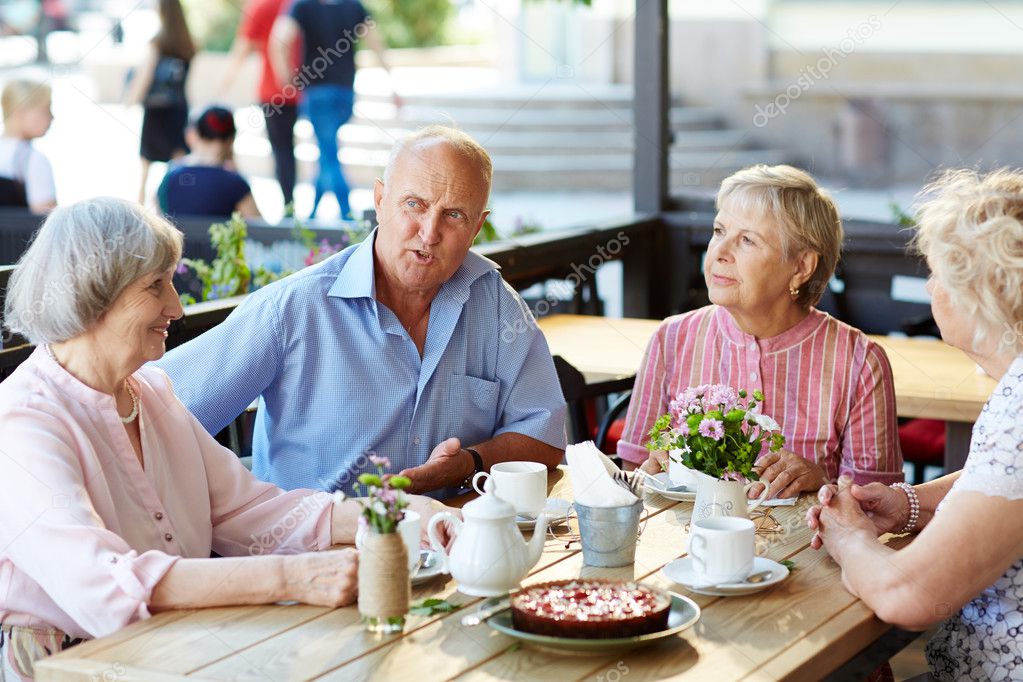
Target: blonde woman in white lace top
<point>965,569</point>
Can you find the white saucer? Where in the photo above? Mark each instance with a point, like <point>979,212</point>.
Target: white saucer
<point>681,571</point>
<point>557,511</point>
<point>435,569</point>
<point>663,482</point>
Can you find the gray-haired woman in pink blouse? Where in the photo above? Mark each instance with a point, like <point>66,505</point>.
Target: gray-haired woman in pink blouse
<point>112,495</point>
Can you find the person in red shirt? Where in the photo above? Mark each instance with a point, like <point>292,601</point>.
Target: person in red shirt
<point>280,107</point>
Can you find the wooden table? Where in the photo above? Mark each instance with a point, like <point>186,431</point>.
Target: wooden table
<point>932,379</point>
<point>804,628</point>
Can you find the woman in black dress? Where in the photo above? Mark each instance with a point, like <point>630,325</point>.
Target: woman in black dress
<point>160,87</point>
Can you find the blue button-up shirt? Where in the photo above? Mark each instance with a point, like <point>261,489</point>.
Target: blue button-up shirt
<point>338,377</point>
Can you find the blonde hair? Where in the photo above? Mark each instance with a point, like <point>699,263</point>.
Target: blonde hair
<point>970,230</point>
<point>23,94</point>
<point>80,261</point>
<point>807,215</point>
<point>459,141</point>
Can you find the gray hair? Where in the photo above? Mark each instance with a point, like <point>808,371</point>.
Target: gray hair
<point>80,261</point>
<point>461,142</point>
<point>806,214</point>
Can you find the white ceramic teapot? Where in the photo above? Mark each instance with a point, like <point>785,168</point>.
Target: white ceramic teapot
<point>489,557</point>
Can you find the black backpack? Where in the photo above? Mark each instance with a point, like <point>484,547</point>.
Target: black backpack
<point>168,86</point>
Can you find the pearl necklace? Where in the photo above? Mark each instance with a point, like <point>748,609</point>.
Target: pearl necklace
<point>131,392</point>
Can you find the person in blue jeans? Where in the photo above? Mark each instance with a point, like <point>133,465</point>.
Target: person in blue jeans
<point>330,31</point>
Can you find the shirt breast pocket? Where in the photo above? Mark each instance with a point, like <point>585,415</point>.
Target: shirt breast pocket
<point>472,407</point>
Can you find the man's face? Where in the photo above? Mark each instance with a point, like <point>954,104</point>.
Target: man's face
<point>429,213</point>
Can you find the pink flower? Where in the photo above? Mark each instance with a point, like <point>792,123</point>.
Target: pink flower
<point>712,428</point>
<point>720,396</point>
<point>380,461</point>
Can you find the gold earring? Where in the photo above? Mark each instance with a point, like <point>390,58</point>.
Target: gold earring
<point>793,292</point>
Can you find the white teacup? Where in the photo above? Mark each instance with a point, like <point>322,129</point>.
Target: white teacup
<point>410,529</point>
<point>721,548</point>
<point>521,484</point>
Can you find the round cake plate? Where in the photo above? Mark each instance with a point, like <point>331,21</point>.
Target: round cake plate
<point>683,614</point>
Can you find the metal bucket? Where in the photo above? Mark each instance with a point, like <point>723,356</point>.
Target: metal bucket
<point>608,534</point>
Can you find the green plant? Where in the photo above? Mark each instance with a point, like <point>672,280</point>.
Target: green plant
<point>213,23</point>
<point>385,496</point>
<point>431,607</point>
<point>229,273</point>
<point>900,217</point>
<point>403,23</point>
<point>718,430</point>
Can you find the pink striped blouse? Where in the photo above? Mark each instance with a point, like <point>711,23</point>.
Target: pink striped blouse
<point>86,533</point>
<point>827,385</point>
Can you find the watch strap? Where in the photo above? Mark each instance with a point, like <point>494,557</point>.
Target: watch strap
<point>477,466</point>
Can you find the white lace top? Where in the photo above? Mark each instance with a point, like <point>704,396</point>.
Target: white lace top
<point>984,641</point>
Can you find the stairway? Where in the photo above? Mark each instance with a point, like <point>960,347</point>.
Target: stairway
<point>560,139</point>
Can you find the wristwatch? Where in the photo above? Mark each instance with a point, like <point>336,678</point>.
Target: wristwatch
<point>477,466</point>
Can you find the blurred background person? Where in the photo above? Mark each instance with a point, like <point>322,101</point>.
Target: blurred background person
<point>329,30</point>
<point>159,85</point>
<point>26,176</point>
<point>278,105</point>
<point>205,183</point>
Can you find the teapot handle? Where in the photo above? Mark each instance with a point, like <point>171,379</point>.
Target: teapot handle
<point>760,500</point>
<point>433,531</point>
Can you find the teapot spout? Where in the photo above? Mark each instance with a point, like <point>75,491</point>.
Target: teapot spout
<point>535,546</point>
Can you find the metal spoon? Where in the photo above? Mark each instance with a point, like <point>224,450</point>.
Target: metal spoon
<point>751,579</point>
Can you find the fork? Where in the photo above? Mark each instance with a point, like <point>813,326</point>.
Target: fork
<point>629,483</point>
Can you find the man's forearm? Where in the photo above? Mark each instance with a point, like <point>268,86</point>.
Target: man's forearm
<point>516,447</point>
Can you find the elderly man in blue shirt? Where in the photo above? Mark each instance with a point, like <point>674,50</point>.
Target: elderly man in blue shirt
<point>398,346</point>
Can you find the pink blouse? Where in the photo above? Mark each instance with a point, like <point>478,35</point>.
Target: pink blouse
<point>86,533</point>
<point>827,385</point>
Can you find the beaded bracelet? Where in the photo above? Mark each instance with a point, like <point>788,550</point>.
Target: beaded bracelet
<point>914,506</point>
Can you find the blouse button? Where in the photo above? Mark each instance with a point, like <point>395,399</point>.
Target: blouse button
<point>159,516</point>
<point>168,537</point>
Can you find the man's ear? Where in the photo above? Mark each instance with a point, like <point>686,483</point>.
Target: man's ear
<point>378,195</point>
<point>479,225</point>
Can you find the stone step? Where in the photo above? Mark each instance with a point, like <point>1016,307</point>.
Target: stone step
<point>535,172</point>
<point>487,119</point>
<point>520,143</point>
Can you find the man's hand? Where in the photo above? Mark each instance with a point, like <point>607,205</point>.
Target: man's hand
<point>447,466</point>
<point>788,475</point>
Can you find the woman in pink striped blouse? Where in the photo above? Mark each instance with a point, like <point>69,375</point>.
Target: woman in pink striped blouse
<point>112,495</point>
<point>777,239</point>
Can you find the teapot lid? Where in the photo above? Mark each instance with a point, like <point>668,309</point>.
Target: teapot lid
<point>488,505</point>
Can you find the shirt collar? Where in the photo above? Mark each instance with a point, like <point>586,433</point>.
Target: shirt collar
<point>356,279</point>
<point>787,339</point>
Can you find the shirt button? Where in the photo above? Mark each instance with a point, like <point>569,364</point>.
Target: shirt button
<point>752,376</point>
<point>168,537</point>
<point>158,516</point>
<point>416,440</point>
<point>753,345</point>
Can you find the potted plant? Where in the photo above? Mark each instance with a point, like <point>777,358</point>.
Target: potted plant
<point>384,586</point>
<point>718,433</point>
